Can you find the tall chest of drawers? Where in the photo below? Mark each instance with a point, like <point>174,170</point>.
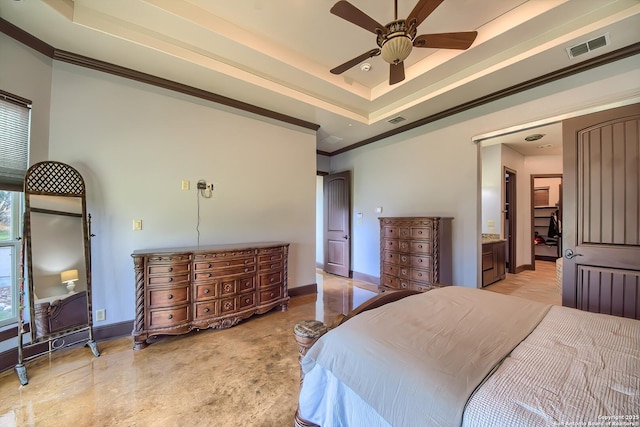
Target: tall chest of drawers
<point>182,289</point>
<point>415,253</point>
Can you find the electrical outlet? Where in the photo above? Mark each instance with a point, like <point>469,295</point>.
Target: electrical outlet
<point>101,315</point>
<point>202,184</point>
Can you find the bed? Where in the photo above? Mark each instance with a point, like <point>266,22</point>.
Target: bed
<point>459,356</point>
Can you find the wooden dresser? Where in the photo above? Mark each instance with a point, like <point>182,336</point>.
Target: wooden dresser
<point>415,253</point>
<point>182,289</point>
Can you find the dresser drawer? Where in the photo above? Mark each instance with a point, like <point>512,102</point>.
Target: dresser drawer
<point>404,272</point>
<point>390,244</point>
<point>391,269</point>
<point>390,281</point>
<point>421,261</point>
<point>209,275</point>
<point>165,269</point>
<point>216,256</point>
<point>421,287</point>
<point>423,247</point>
<point>404,233</point>
<point>390,232</point>
<point>168,280</point>
<point>271,279</point>
<point>421,233</point>
<point>204,310</point>
<point>246,284</point>
<point>404,246</point>
<point>390,257</point>
<point>419,275</point>
<point>405,259</point>
<point>205,291</point>
<point>168,259</point>
<point>168,317</point>
<point>271,294</point>
<point>246,301</point>
<point>275,255</point>
<point>272,250</point>
<point>223,263</point>
<point>228,306</point>
<point>271,266</point>
<point>227,287</point>
<point>168,297</point>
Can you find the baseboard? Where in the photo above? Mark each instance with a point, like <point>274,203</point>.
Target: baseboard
<point>524,267</point>
<point>303,290</point>
<point>361,277</point>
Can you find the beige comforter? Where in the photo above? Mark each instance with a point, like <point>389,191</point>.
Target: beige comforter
<point>417,361</point>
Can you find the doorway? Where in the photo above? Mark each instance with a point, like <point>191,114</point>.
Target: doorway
<point>510,219</point>
<point>546,217</point>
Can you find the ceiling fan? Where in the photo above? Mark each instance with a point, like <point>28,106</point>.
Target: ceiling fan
<point>398,37</point>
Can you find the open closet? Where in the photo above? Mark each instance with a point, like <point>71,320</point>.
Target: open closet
<point>547,216</point>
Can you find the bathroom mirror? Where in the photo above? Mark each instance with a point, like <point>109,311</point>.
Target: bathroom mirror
<point>57,256</point>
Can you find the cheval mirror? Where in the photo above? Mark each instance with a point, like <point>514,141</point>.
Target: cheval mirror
<point>57,253</point>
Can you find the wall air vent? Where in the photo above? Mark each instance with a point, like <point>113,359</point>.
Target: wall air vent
<point>396,120</point>
<point>588,46</point>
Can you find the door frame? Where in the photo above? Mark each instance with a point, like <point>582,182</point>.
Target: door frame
<point>513,216</point>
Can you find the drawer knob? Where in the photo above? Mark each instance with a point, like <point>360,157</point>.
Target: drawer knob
<point>206,310</point>
<point>271,295</point>
<point>206,291</point>
<point>170,269</point>
<point>274,257</point>
<point>420,246</point>
<point>209,266</point>
<point>169,296</point>
<point>246,261</point>
<point>272,279</point>
<point>209,275</point>
<point>171,279</point>
<point>247,300</point>
<point>170,316</point>
<point>419,274</point>
<point>246,269</point>
<point>419,232</point>
<point>420,260</point>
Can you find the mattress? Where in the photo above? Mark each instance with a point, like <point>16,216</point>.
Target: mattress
<point>570,367</point>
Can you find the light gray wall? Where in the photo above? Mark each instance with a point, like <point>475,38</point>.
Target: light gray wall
<point>134,144</point>
<point>492,193</point>
<point>434,169</point>
<point>27,73</point>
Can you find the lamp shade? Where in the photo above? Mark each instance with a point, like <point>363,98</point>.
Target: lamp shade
<point>396,49</point>
<point>69,276</point>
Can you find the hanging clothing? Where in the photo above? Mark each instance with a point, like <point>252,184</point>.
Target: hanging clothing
<point>554,226</point>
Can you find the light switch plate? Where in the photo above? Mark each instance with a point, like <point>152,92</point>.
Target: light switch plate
<point>137,224</point>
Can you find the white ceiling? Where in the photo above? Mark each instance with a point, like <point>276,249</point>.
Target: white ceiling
<point>276,54</point>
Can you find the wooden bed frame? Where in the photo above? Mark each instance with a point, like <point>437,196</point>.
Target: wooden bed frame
<point>307,332</point>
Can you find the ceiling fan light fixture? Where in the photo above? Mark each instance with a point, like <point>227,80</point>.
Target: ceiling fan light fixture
<point>396,48</point>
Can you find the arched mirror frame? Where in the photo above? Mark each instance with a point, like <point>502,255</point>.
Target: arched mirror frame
<point>55,180</point>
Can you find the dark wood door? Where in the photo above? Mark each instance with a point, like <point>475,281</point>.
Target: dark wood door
<point>337,224</point>
<point>601,231</point>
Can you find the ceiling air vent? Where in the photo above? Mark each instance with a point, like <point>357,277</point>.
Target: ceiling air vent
<point>396,120</point>
<point>588,46</point>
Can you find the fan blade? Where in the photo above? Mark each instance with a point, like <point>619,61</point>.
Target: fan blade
<point>355,61</point>
<point>346,10</point>
<point>421,10</point>
<point>396,73</point>
<point>461,41</point>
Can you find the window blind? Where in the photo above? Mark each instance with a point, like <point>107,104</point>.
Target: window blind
<point>14,141</point>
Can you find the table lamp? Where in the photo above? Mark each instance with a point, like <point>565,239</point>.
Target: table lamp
<point>69,277</point>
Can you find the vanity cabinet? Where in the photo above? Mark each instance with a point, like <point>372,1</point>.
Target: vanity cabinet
<point>493,261</point>
<point>182,289</point>
<point>415,253</point>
